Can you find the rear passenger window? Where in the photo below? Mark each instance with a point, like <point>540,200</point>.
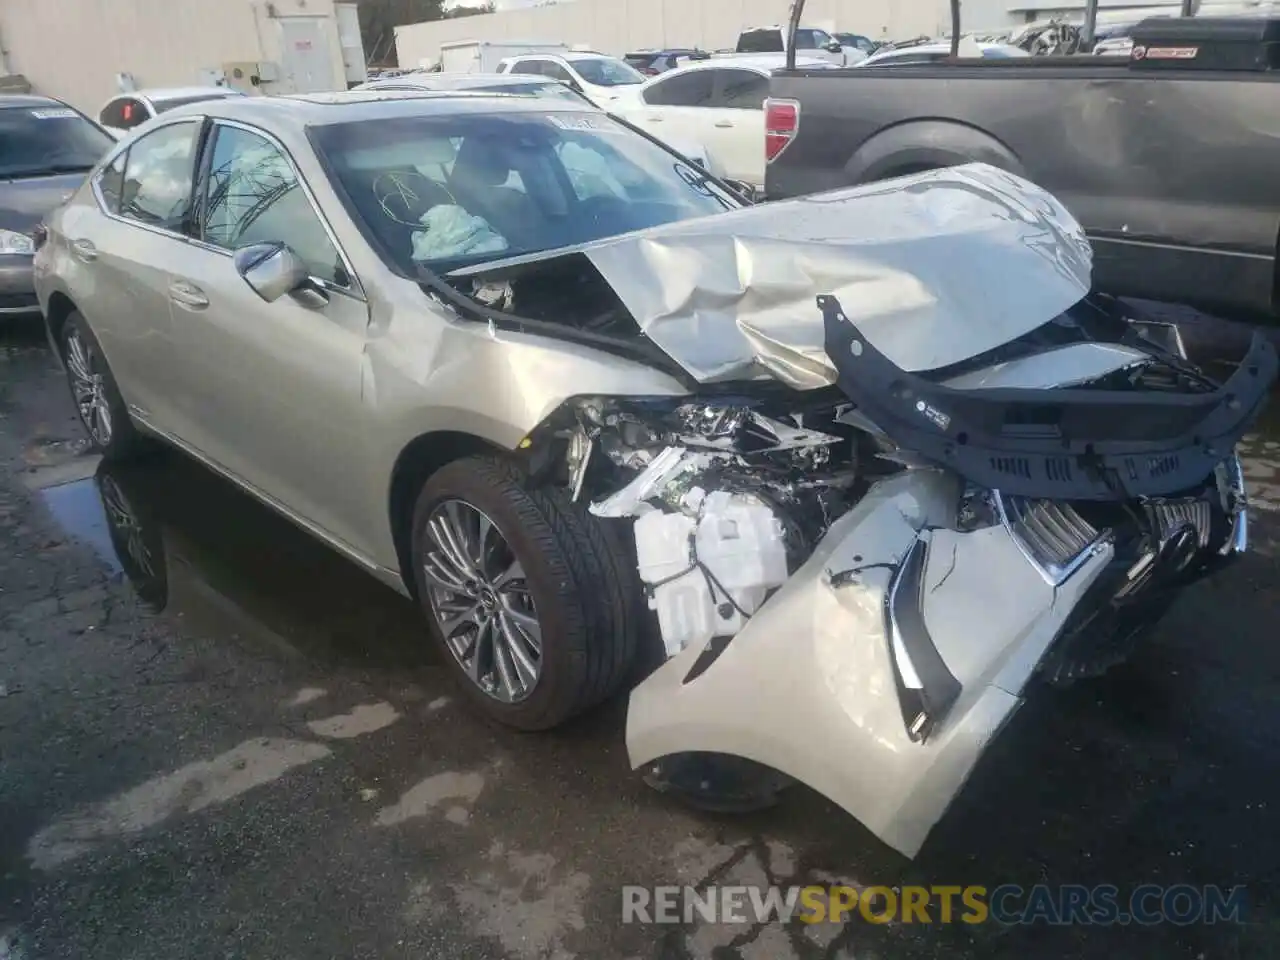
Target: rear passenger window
<point>741,90</point>
<point>158,175</point>
<point>693,89</point>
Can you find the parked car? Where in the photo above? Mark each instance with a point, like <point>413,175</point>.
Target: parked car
<point>718,104</point>
<point>1180,207</point>
<point>484,56</point>
<point>599,78</point>
<point>534,86</point>
<point>937,52</point>
<point>122,113</point>
<point>856,41</point>
<point>522,83</point>
<point>46,148</point>
<point>804,434</point>
<point>810,42</point>
<point>653,62</point>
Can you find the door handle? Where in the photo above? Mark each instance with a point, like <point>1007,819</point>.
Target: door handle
<point>724,124</point>
<point>187,295</point>
<point>654,119</point>
<point>84,250</point>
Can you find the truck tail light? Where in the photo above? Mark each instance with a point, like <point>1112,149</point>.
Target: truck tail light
<point>781,122</point>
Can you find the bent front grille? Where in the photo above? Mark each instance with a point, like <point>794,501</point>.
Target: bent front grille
<point>1052,535</point>
<point>1167,516</point>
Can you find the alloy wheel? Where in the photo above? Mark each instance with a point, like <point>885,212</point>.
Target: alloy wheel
<point>123,520</point>
<point>89,388</point>
<point>481,602</point>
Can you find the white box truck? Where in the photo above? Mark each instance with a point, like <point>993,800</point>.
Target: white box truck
<point>483,56</point>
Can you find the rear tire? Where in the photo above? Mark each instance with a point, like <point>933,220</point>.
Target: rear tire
<point>94,392</point>
<point>575,589</point>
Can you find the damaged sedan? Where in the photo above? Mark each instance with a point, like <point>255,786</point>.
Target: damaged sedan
<point>828,483</point>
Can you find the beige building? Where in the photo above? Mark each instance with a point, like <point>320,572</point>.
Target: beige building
<point>617,26</point>
<point>86,51</point>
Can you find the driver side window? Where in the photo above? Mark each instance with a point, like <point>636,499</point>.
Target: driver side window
<point>254,196</point>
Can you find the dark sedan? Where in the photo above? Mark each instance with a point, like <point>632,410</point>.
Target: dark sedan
<point>46,148</point>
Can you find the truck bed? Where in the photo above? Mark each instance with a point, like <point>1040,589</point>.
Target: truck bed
<point>1175,173</point>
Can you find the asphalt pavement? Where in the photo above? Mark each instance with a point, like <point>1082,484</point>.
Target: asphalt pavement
<point>219,740</point>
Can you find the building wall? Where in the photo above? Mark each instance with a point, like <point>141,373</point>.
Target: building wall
<point>73,49</point>
<point>616,26</point>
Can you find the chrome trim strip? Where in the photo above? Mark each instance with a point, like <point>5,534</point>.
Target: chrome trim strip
<point>1236,500</point>
<point>390,577</point>
<point>1102,238</point>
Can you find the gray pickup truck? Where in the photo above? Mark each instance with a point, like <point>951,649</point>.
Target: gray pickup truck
<point>1169,158</point>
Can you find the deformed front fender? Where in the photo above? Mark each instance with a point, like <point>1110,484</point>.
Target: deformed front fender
<point>812,685</point>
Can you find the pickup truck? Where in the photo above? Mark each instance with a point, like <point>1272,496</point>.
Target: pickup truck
<point>1169,158</point>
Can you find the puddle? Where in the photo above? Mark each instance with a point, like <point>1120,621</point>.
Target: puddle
<point>194,548</point>
<point>77,508</point>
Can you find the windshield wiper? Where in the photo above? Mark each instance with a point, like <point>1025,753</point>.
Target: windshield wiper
<point>47,170</point>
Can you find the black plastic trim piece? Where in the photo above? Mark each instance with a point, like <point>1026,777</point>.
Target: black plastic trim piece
<point>1069,444</point>
<point>923,708</point>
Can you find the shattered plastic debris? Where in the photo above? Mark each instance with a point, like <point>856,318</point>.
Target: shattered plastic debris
<point>653,482</point>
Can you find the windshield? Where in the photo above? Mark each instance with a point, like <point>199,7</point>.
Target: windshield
<point>603,72</point>
<point>445,191</point>
<point>46,140</point>
<point>811,39</point>
<point>172,103</point>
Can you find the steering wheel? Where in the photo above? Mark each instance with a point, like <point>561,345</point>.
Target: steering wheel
<point>406,195</point>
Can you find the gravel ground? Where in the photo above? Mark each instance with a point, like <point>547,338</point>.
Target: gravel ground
<point>241,747</point>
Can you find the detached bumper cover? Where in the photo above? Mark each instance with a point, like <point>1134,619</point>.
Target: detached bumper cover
<point>812,686</point>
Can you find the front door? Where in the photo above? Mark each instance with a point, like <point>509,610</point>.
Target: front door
<point>275,387</point>
<point>307,60</point>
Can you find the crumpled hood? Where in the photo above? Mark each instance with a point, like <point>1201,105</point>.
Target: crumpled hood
<point>933,269</point>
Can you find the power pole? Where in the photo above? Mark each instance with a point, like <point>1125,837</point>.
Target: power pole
<point>1091,22</point>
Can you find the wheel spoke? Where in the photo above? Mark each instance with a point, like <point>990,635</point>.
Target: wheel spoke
<point>505,668</point>
<point>516,646</point>
<point>437,570</point>
<point>470,615</point>
<point>509,576</point>
<point>447,539</point>
<point>461,538</point>
<point>481,648</point>
<point>527,624</point>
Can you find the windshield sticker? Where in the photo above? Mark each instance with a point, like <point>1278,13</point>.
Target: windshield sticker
<point>61,113</point>
<point>566,121</point>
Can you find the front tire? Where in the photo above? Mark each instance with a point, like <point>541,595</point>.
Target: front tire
<point>94,391</point>
<point>530,600</point>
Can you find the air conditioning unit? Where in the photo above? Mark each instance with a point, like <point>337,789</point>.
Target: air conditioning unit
<point>250,76</point>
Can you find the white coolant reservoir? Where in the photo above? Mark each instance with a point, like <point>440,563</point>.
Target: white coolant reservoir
<point>736,539</point>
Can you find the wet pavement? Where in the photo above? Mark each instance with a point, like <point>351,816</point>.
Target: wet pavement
<point>217,739</point>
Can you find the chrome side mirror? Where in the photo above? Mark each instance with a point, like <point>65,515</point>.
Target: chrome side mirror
<point>272,270</point>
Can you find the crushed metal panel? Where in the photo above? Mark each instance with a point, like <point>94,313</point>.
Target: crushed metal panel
<point>934,268</point>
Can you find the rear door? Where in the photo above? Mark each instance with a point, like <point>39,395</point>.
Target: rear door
<point>674,109</point>
<point>274,387</point>
<point>734,125</point>
<point>120,248</point>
